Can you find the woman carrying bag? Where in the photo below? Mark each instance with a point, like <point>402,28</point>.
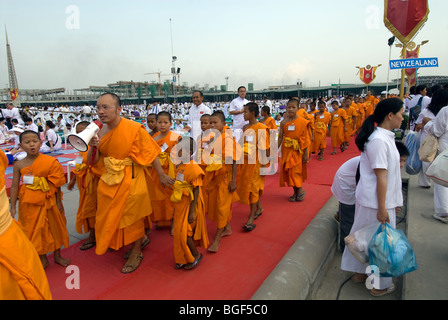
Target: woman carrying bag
<point>378,193</point>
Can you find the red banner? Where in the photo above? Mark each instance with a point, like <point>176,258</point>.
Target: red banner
<point>13,93</point>
<point>405,18</point>
<point>367,74</point>
<point>410,54</point>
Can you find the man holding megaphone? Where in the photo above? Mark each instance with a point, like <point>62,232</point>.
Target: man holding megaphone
<point>122,149</point>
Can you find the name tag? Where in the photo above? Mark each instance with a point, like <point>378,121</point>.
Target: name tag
<point>322,117</point>
<point>291,128</point>
<point>164,147</point>
<point>249,138</point>
<point>28,179</point>
<point>336,115</point>
<point>78,160</point>
<point>180,177</point>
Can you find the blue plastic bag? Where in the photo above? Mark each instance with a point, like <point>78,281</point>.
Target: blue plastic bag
<point>391,252</point>
<point>413,162</point>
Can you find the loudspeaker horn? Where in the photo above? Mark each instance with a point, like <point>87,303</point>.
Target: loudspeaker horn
<point>81,141</point>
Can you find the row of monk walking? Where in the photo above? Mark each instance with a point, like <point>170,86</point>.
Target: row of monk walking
<point>130,180</point>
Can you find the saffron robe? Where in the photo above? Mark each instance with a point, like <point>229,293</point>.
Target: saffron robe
<point>249,181</point>
<point>337,127</point>
<point>191,176</point>
<point>21,273</point>
<point>123,198</point>
<point>350,116</point>
<point>87,178</point>
<point>270,123</point>
<point>160,197</point>
<point>39,215</point>
<point>218,175</point>
<point>297,137</point>
<point>320,131</point>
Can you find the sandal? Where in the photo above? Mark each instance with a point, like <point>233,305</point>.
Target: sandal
<point>144,244</point>
<point>249,227</point>
<point>257,215</point>
<point>293,198</point>
<point>87,245</point>
<point>133,262</point>
<point>178,266</point>
<point>191,266</point>
<point>382,293</point>
<point>301,197</point>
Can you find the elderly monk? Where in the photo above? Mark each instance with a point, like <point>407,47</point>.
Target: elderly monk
<point>125,150</point>
<point>22,275</point>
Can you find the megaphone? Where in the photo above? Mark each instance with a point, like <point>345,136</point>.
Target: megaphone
<point>81,141</point>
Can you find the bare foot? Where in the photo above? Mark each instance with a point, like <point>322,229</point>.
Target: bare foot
<point>214,246</point>
<point>61,261</point>
<point>227,231</point>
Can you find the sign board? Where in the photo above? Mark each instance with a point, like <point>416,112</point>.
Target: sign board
<point>414,63</point>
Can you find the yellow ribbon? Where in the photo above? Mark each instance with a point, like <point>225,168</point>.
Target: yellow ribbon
<point>88,178</point>
<point>214,163</point>
<point>292,143</point>
<point>249,148</point>
<point>115,170</point>
<point>178,191</point>
<point>39,183</point>
<point>320,125</point>
<point>163,157</point>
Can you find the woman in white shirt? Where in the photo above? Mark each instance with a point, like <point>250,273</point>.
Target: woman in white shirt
<point>53,140</point>
<point>378,193</point>
<point>439,128</point>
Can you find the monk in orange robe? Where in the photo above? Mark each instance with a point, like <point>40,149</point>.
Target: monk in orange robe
<point>302,113</point>
<point>126,150</point>
<point>203,140</point>
<point>322,119</point>
<point>370,104</point>
<point>221,157</point>
<point>361,111</point>
<point>41,212</point>
<point>160,197</point>
<point>350,119</point>
<point>295,139</point>
<point>266,118</point>
<point>190,229</point>
<point>250,183</point>
<point>86,177</point>
<point>22,276</point>
<point>337,126</point>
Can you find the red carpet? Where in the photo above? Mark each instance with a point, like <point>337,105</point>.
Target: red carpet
<point>243,262</point>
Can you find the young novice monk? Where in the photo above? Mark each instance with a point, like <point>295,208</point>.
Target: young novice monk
<point>86,176</point>
<point>321,121</point>
<point>166,139</point>
<point>189,224</point>
<point>203,140</point>
<point>41,212</point>
<point>250,183</point>
<point>220,177</point>
<point>151,122</point>
<point>295,133</point>
<point>337,126</point>
<point>266,118</point>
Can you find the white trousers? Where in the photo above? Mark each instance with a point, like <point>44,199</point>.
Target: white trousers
<point>440,200</point>
<point>423,180</point>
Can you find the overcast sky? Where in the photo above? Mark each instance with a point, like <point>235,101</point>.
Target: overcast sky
<point>77,43</point>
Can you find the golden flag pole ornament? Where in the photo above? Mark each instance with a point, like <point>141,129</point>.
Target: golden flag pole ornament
<point>404,19</point>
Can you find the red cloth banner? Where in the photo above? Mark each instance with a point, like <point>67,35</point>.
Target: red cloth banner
<point>405,17</point>
<point>13,93</point>
<point>367,74</point>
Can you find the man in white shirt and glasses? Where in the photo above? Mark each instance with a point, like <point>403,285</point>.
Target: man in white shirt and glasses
<point>236,109</point>
<point>197,110</point>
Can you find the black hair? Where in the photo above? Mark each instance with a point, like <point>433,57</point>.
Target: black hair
<point>383,108</point>
<point>114,96</point>
<point>253,107</point>
<point>266,109</point>
<point>438,101</point>
<point>241,87</point>
<point>294,100</point>
<point>321,102</point>
<point>164,113</point>
<point>200,92</point>
<point>27,132</point>
<point>402,149</point>
<point>419,88</point>
<point>205,115</point>
<point>50,124</point>
<point>219,114</point>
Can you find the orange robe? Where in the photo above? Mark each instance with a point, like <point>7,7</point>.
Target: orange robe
<point>39,215</point>
<point>270,123</point>
<point>337,127</point>
<point>188,176</point>
<point>320,131</point>
<point>361,115</point>
<point>21,273</point>
<point>370,105</point>
<point>249,181</point>
<point>350,116</point>
<point>218,175</point>
<point>297,137</point>
<point>123,198</point>
<point>87,178</point>
<point>160,197</point>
